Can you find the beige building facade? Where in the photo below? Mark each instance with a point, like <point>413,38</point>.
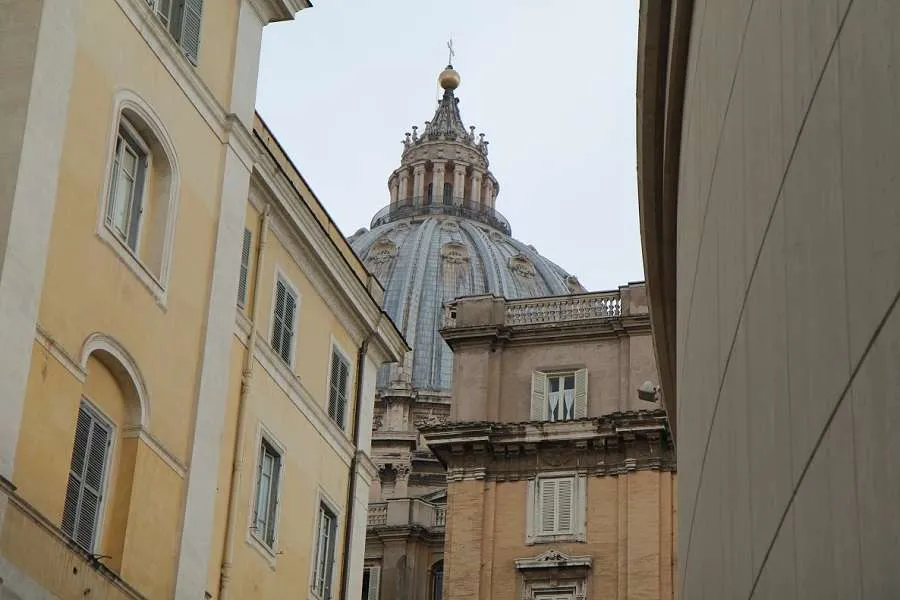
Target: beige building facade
<point>187,337</point>
<point>768,158</point>
<point>560,479</point>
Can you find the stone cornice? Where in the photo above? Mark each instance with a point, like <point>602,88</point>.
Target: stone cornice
<point>615,444</point>
<point>270,11</point>
<point>568,331</point>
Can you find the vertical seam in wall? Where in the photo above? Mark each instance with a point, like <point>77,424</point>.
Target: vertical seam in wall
<point>859,559</point>
<point>826,428</point>
<point>778,197</point>
<point>696,491</point>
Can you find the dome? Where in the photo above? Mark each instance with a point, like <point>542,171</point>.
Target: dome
<point>426,262</point>
<point>440,238</point>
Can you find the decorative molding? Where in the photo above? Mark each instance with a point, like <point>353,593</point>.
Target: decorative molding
<point>522,266</point>
<point>106,345</point>
<point>166,455</point>
<point>49,343</point>
<point>553,559</point>
<point>615,444</point>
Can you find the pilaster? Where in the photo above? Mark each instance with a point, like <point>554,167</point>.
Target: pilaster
<point>419,181</point>
<point>37,50</point>
<point>437,179</point>
<point>404,185</point>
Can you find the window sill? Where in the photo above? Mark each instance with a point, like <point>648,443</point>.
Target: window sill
<point>262,548</point>
<point>554,538</point>
<point>134,264</point>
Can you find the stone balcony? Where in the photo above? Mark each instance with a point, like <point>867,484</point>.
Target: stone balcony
<point>407,512</point>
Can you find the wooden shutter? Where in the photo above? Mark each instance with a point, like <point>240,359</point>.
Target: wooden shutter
<point>538,395</point>
<point>374,583</point>
<point>191,20</point>
<point>290,310</point>
<point>245,269</point>
<point>84,492</point>
<point>337,396</point>
<point>565,503</point>
<point>581,391</point>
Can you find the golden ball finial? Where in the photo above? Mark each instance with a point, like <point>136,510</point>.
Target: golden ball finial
<point>449,78</point>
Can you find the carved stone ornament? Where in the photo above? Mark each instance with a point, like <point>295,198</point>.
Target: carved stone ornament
<point>450,225</point>
<point>574,285</point>
<point>377,422</point>
<point>430,420</point>
<point>522,266</point>
<point>382,251</point>
<point>496,236</point>
<point>455,253</point>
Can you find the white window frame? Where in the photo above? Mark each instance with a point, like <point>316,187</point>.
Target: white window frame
<point>325,501</point>
<point>156,283</point>
<point>290,288</point>
<point>534,533</point>
<point>131,139</point>
<point>111,448</point>
<point>334,348</point>
<point>540,380</point>
<point>172,20</point>
<point>254,538</point>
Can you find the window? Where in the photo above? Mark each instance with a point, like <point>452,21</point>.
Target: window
<point>556,510</point>
<point>371,583</point>
<point>126,186</point>
<point>87,473</point>
<point>556,499</point>
<point>182,18</point>
<point>326,531</point>
<point>245,269</point>
<point>338,383</point>
<point>429,193</point>
<point>448,194</point>
<point>437,580</point>
<point>283,318</point>
<point>559,396</point>
<point>268,475</point>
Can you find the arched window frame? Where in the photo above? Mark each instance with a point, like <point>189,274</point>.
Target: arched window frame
<point>129,107</point>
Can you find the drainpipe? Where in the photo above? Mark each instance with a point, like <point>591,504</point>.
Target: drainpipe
<point>354,463</point>
<point>246,376</point>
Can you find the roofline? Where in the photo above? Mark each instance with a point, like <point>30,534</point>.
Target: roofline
<point>393,331</point>
<point>663,42</point>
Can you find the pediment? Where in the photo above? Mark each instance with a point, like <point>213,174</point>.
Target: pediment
<point>553,559</point>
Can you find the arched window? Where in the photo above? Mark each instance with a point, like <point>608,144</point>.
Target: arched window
<point>437,580</point>
<point>112,412</point>
<point>140,197</point>
<point>429,193</point>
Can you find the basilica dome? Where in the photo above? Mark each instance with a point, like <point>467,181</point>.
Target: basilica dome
<point>440,238</point>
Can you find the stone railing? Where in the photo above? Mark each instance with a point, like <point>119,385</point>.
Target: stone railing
<point>559,309</point>
<point>377,514</point>
<point>405,512</point>
<point>440,516</point>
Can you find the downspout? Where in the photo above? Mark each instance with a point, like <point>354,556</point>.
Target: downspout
<point>246,376</point>
<point>354,463</point>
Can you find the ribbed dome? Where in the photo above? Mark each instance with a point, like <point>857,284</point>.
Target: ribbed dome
<point>426,261</point>
<point>440,238</point>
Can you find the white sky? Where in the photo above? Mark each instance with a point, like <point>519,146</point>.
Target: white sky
<point>550,83</point>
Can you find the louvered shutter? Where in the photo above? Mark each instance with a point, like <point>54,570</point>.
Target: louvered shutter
<point>245,269</point>
<point>278,318</point>
<point>581,391</point>
<point>84,491</point>
<point>565,505</point>
<point>548,505</point>
<point>191,20</point>
<point>374,583</point>
<point>333,386</point>
<point>287,340</point>
<point>538,395</point>
<point>343,376</point>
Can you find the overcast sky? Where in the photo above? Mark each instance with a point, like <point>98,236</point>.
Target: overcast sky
<point>551,84</point>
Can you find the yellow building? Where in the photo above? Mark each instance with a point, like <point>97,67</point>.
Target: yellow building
<point>187,337</point>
